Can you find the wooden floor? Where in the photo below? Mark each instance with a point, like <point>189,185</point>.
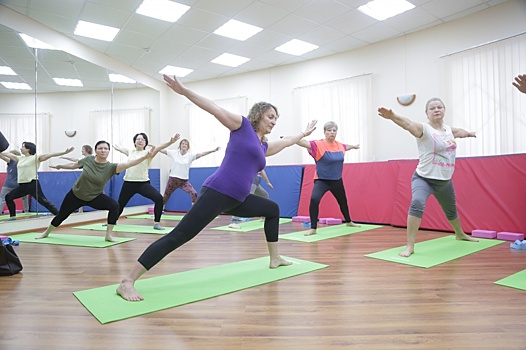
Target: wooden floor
<point>355,303</point>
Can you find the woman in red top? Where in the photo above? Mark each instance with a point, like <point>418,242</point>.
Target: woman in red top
<point>329,155</point>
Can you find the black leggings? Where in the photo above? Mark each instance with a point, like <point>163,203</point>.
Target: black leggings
<point>129,188</point>
<point>32,188</point>
<point>320,188</point>
<point>209,204</point>
<point>72,203</point>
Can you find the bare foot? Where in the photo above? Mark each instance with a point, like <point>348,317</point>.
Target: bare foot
<point>279,261</point>
<point>465,237</point>
<point>407,252</point>
<point>43,235</point>
<point>111,239</point>
<point>352,224</point>
<point>311,232</point>
<point>127,291</point>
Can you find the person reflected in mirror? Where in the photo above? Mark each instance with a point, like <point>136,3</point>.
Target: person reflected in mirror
<point>136,179</point>
<point>85,151</point>
<point>11,181</point>
<point>27,167</point>
<point>88,189</point>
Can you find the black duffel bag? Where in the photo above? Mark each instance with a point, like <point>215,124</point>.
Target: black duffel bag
<point>9,262</point>
<point>3,142</point>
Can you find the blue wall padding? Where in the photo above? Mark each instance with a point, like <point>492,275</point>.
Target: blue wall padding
<point>56,184</point>
<point>286,180</point>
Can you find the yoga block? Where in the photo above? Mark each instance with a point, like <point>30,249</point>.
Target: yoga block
<point>332,221</point>
<point>510,236</point>
<point>484,233</point>
<point>2,237</point>
<point>150,210</point>
<point>300,218</point>
<point>323,220</point>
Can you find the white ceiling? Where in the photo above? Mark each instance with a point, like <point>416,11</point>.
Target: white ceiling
<point>149,45</point>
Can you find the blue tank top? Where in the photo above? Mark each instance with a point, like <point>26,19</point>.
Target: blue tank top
<point>244,158</point>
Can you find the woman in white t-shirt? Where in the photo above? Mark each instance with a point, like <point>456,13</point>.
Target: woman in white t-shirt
<point>136,179</point>
<point>180,172</point>
<point>437,152</point>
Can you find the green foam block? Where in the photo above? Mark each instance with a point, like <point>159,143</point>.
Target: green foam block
<point>435,251</point>
<point>181,288</point>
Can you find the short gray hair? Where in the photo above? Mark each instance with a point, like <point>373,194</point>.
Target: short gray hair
<point>433,99</point>
<point>329,125</point>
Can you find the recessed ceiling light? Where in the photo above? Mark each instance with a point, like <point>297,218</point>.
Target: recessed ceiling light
<point>15,86</point>
<point>383,9</point>
<point>6,71</point>
<point>68,82</point>
<point>35,43</point>
<point>237,30</point>
<point>296,47</point>
<point>227,59</point>
<point>164,10</point>
<point>96,31</point>
<point>119,78</point>
<point>177,71</point>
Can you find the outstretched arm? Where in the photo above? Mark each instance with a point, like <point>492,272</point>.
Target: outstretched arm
<point>122,150</point>
<point>520,83</point>
<point>349,147</point>
<point>461,133</point>
<point>199,155</point>
<point>275,147</point>
<point>161,147</point>
<point>129,164</point>
<point>68,158</point>
<point>416,129</point>
<point>74,165</point>
<point>44,157</point>
<point>231,120</point>
<point>7,157</point>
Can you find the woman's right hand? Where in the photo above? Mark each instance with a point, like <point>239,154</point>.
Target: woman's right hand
<point>174,84</point>
<point>386,113</point>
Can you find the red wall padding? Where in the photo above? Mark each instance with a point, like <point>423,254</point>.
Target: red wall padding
<point>491,194</point>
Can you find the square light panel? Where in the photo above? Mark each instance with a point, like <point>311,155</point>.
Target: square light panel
<point>68,82</point>
<point>177,71</point>
<point>96,31</point>
<point>35,43</point>
<point>230,60</point>
<point>119,78</point>
<point>383,9</point>
<point>6,71</point>
<point>15,86</point>
<point>296,47</point>
<point>237,30</point>
<point>164,10</point>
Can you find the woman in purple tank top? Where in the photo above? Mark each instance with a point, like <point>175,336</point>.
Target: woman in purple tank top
<point>228,189</point>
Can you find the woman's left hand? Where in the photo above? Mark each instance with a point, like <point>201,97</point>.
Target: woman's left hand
<point>310,127</point>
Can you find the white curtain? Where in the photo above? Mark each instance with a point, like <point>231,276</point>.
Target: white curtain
<point>347,102</point>
<point>207,133</point>
<point>21,127</point>
<point>118,128</point>
<point>481,97</point>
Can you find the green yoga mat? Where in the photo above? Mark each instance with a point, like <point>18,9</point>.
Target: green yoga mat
<point>249,225</point>
<point>181,288</point>
<point>327,232</point>
<point>72,240</point>
<point>18,215</point>
<point>436,251</point>
<point>517,280</point>
<point>126,228</point>
<point>149,216</point>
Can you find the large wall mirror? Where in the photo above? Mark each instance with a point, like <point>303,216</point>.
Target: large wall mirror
<point>56,117</point>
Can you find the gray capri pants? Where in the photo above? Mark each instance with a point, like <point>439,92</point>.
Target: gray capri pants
<point>443,191</point>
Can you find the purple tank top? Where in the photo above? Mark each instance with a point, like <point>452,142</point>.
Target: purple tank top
<point>244,158</point>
